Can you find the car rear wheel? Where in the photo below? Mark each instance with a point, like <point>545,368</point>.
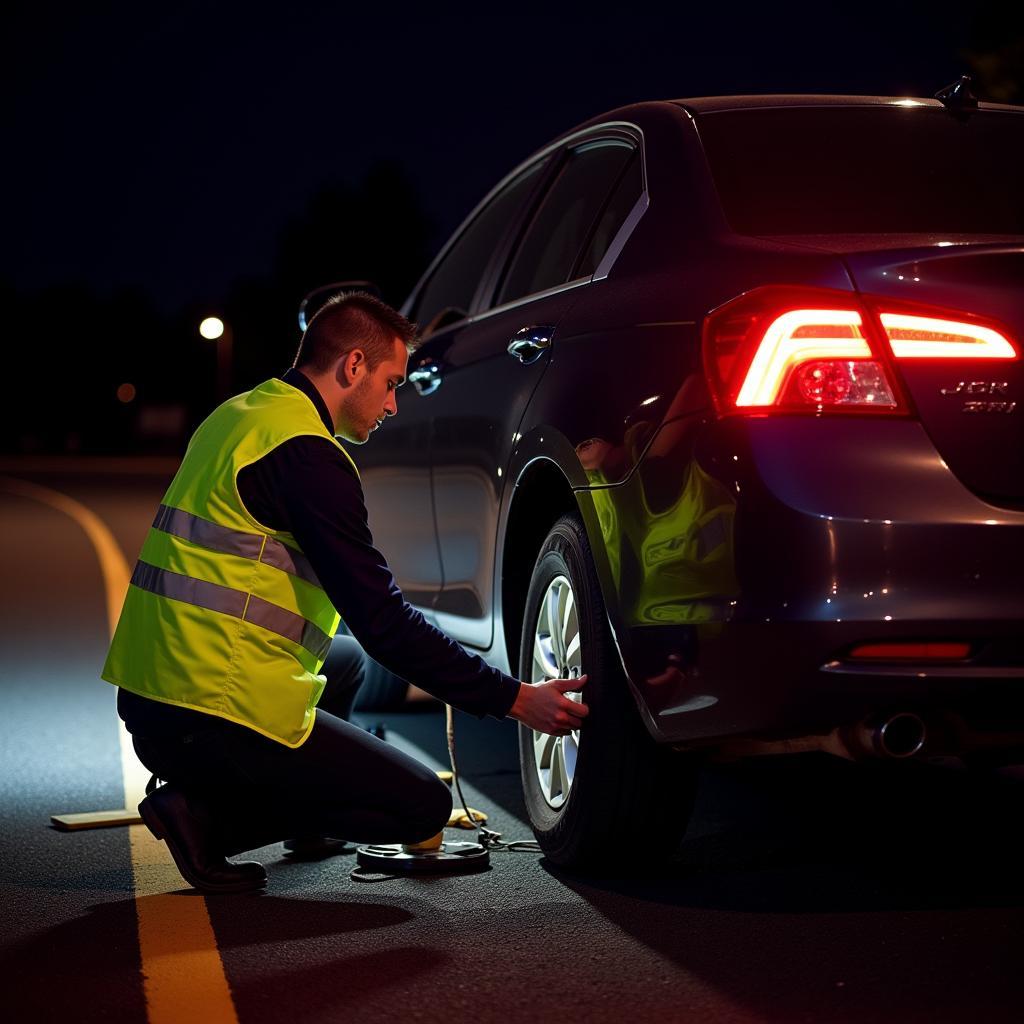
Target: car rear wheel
<point>590,792</point>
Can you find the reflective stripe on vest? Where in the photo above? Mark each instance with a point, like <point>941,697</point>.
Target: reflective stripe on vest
<point>226,615</point>
<point>256,546</point>
<point>217,598</point>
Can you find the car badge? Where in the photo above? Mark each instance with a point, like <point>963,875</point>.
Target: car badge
<point>996,396</point>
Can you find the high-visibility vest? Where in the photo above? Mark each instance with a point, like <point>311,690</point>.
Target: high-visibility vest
<point>224,614</point>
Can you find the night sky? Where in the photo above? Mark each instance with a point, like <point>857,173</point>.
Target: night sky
<point>165,150</point>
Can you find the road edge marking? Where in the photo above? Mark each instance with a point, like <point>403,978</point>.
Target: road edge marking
<point>183,973</point>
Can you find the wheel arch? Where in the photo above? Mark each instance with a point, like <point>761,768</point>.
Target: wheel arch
<point>542,495</point>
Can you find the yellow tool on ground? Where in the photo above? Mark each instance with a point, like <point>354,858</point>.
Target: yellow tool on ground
<point>460,815</point>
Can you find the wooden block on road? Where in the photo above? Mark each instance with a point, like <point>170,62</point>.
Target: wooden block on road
<point>95,819</point>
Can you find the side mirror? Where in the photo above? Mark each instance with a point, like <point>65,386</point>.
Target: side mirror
<point>318,297</point>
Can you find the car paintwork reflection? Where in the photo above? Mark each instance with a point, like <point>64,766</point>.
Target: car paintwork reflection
<point>671,555</point>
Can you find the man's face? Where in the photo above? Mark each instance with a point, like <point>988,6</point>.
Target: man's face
<point>373,397</point>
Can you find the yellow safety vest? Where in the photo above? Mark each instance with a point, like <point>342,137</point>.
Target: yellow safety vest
<point>225,615</point>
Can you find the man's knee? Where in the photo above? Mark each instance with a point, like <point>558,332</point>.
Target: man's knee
<point>431,810</point>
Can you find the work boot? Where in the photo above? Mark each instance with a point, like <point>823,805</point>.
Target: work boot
<point>168,816</point>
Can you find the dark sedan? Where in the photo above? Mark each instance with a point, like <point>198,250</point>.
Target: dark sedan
<point>719,401</point>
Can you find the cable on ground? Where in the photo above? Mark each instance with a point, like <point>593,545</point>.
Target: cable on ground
<point>486,837</point>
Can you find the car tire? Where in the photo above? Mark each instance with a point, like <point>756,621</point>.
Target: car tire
<point>623,787</point>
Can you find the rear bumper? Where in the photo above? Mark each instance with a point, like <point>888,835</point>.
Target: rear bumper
<point>777,680</point>
<point>736,599</point>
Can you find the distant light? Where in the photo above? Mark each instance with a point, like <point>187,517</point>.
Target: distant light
<point>943,245</point>
<point>648,401</point>
<point>126,392</point>
<point>499,471</point>
<point>212,328</point>
<point>909,103</point>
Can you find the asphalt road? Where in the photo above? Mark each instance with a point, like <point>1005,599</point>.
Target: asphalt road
<point>806,889</point>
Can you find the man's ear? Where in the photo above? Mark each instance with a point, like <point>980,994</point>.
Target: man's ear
<point>351,366</point>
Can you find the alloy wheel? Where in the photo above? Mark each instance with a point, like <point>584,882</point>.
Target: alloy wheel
<point>556,655</point>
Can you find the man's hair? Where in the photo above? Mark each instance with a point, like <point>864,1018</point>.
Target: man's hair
<point>353,320</point>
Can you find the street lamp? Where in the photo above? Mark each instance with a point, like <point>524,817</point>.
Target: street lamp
<point>214,329</point>
<point>211,328</point>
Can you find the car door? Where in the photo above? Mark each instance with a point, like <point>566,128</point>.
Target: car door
<point>395,465</point>
<point>490,368</point>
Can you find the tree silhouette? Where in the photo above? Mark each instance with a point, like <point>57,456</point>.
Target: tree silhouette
<point>375,230</point>
<point>73,348</point>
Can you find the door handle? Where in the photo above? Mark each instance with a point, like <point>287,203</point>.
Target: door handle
<point>529,343</point>
<point>426,378</point>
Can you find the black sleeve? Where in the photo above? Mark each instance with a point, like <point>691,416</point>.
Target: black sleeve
<point>307,486</point>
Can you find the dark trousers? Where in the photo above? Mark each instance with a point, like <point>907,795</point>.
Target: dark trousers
<point>342,782</point>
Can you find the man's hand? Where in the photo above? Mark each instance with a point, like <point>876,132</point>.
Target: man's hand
<point>544,706</point>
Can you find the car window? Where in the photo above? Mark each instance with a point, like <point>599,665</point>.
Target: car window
<point>562,223</point>
<point>850,170</point>
<point>455,279</point>
<point>623,199</point>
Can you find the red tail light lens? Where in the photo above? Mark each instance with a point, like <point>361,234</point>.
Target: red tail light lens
<point>926,337</point>
<point>813,350</point>
<point>795,350</point>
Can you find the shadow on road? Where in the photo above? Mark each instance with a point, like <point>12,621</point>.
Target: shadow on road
<point>272,941</point>
<point>835,838</point>
<point>816,889</point>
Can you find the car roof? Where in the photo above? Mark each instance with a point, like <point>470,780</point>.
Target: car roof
<point>715,104</point>
<point>700,106</point>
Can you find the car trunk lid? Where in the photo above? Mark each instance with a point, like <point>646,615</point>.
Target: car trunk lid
<point>973,408</point>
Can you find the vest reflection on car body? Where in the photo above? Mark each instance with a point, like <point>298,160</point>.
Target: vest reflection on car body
<point>739,446</point>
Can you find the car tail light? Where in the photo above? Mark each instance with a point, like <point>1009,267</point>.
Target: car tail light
<point>926,337</point>
<point>780,349</point>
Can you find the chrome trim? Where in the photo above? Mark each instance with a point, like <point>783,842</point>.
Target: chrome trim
<point>426,379</point>
<point>528,344</point>
<point>618,243</point>
<point>526,298</point>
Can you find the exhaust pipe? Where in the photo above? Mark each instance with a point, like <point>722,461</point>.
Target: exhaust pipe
<point>898,736</point>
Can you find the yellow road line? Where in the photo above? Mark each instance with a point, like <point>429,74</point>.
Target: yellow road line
<point>182,971</point>
<point>112,564</point>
